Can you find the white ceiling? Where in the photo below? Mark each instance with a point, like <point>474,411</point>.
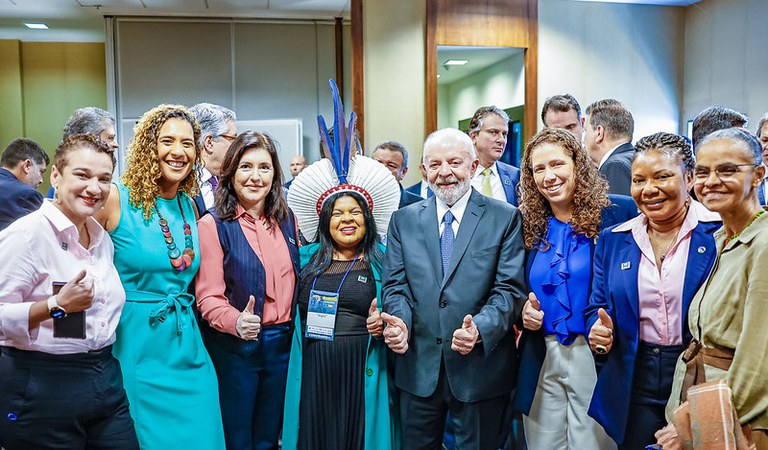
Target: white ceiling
<point>82,20</point>
<point>479,58</point>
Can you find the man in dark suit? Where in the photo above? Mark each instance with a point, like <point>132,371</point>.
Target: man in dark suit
<point>421,188</point>
<point>22,166</point>
<point>452,288</point>
<point>394,156</point>
<point>608,130</point>
<point>488,129</point>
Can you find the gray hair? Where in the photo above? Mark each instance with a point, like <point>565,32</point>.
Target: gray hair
<point>212,119</point>
<point>476,123</point>
<point>395,147</point>
<point>715,118</point>
<point>760,124</point>
<point>90,120</point>
<point>613,116</point>
<point>449,136</point>
<point>751,145</point>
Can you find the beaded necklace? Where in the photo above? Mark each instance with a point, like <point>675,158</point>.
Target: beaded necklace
<point>179,260</point>
<point>730,238</point>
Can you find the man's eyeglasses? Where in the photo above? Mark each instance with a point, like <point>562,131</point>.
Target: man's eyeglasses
<point>725,172</point>
<point>228,137</point>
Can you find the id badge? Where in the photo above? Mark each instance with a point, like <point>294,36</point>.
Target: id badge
<point>321,315</point>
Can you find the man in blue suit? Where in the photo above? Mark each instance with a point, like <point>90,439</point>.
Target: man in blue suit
<point>452,286</point>
<point>394,156</point>
<point>22,166</point>
<point>493,178</point>
<point>421,188</point>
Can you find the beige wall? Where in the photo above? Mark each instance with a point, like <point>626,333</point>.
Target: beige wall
<point>394,76</point>
<point>42,83</point>
<point>726,57</point>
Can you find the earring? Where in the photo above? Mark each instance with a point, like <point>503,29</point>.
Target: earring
<point>55,193</point>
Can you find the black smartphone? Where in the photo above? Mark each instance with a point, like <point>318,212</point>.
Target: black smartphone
<point>72,326</point>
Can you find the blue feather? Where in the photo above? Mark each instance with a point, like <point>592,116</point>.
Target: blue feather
<point>339,148</point>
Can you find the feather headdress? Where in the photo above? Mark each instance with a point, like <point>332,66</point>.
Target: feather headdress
<point>341,170</point>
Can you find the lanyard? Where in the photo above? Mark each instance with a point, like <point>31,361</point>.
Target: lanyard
<point>343,278</point>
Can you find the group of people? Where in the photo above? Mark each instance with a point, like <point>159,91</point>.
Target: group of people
<point>199,302</point>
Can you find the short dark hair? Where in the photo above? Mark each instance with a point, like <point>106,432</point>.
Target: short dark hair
<point>751,145</point>
<point>20,150</point>
<point>76,141</point>
<point>226,201</point>
<point>395,147</point>
<point>88,120</point>
<point>612,115</point>
<point>560,103</point>
<point>715,118</point>
<point>670,144</point>
<point>476,123</point>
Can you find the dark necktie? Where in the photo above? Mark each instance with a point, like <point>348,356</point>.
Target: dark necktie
<point>446,241</point>
<point>214,183</point>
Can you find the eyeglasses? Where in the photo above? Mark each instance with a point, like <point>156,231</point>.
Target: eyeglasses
<point>725,172</point>
<point>228,137</point>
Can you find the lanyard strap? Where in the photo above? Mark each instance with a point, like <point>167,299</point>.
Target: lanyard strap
<point>343,278</point>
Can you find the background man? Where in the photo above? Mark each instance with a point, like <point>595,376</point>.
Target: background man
<point>493,178</point>
<point>395,157</point>
<point>608,130</point>
<point>22,166</point>
<point>716,118</point>
<point>564,112</point>
<point>452,288</point>
<point>95,121</point>
<point>298,163</point>
<point>217,131</point>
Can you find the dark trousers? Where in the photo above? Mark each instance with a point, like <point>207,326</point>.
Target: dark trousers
<point>63,402</point>
<point>651,386</point>
<point>476,424</point>
<point>252,386</point>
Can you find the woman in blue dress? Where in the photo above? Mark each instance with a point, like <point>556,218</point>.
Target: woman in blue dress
<point>564,204</point>
<point>168,375</point>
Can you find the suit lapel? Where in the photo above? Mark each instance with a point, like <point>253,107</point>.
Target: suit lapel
<point>428,222</point>
<point>475,209</point>
<point>629,262</point>
<point>701,254</point>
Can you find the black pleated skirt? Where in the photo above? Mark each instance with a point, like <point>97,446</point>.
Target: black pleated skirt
<point>332,412</point>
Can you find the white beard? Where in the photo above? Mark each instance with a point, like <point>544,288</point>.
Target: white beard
<point>452,194</point>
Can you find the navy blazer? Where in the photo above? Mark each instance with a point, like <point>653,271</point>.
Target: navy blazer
<point>614,288</point>
<point>617,169</point>
<point>416,190</point>
<point>533,350</point>
<point>408,198</point>
<point>510,177</point>
<point>18,199</point>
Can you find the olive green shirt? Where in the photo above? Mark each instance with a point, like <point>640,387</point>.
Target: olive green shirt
<point>731,312</point>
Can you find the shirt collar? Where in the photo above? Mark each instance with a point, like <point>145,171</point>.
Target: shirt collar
<point>480,169</point>
<point>63,225</point>
<point>457,209</point>
<point>205,175</point>
<point>608,155</point>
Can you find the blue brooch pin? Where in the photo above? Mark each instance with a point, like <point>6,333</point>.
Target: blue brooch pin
<point>702,249</point>
<point>507,182</point>
<point>625,265</point>
<point>291,240</point>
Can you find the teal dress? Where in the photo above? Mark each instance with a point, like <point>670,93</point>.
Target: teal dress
<point>167,373</point>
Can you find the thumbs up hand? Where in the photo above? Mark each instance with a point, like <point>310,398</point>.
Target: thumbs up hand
<point>395,334</point>
<point>465,338</point>
<point>601,333</point>
<point>533,316</point>
<point>248,323</point>
<point>373,323</point>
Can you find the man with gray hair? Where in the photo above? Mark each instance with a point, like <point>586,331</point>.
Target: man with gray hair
<point>217,131</point>
<point>394,156</point>
<point>94,121</point>
<point>488,129</point>
<point>452,286</point>
<point>608,129</point>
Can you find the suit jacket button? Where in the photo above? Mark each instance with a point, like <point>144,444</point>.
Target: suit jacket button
<point>443,303</point>
<point>369,372</point>
<point>439,341</point>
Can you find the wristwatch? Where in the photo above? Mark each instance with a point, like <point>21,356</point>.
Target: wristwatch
<point>56,311</point>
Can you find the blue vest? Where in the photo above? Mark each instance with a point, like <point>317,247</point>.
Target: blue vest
<point>244,273</point>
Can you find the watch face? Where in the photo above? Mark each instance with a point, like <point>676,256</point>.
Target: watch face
<point>57,313</point>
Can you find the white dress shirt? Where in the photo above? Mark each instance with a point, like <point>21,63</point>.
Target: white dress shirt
<point>496,186</point>
<point>40,249</point>
<point>457,210</point>
<point>206,188</point>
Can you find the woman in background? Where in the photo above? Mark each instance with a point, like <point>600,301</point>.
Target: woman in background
<point>169,377</point>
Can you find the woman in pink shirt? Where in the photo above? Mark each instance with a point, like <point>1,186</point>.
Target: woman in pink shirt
<point>646,272</point>
<point>60,302</point>
<point>246,289</point>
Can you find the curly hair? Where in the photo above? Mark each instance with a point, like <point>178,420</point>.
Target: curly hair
<point>589,197</point>
<point>143,173</point>
<point>669,144</point>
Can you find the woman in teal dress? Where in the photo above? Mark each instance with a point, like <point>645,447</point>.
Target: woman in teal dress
<point>168,375</point>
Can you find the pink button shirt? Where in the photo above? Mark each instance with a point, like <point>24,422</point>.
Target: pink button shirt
<point>40,249</point>
<point>661,293</point>
<point>271,249</point>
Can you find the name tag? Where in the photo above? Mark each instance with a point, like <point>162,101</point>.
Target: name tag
<point>321,315</point>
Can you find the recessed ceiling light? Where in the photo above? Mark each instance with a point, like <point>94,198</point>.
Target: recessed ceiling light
<point>36,26</point>
<point>455,62</point>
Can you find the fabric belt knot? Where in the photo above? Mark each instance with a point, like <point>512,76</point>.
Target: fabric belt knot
<point>179,302</point>
<point>695,357</point>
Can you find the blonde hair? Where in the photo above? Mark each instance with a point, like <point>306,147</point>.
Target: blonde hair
<point>143,174</point>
